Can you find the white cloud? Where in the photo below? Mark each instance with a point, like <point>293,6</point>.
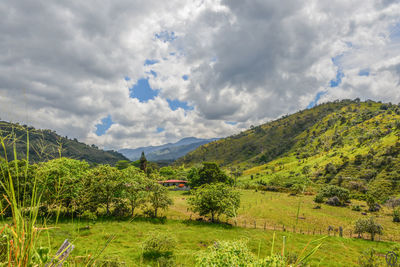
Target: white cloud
<point>64,63</point>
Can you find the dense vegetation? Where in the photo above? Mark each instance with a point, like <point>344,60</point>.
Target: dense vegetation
<point>46,144</point>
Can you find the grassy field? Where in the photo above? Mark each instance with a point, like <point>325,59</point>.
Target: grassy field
<point>274,209</point>
<point>193,237</point>
<point>278,210</point>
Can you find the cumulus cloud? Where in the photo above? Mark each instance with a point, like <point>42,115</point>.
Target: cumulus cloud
<point>64,63</point>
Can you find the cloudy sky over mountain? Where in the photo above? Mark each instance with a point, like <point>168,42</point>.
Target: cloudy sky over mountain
<point>126,73</point>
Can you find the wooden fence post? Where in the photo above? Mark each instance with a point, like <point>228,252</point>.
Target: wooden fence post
<point>255,225</point>
<point>265,225</point>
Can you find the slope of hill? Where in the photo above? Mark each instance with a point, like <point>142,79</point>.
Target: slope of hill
<point>166,152</point>
<point>46,144</point>
<point>348,143</point>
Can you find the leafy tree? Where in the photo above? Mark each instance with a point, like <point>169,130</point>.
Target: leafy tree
<point>158,197</point>
<point>209,173</point>
<point>105,186</point>
<point>61,181</point>
<point>214,200</point>
<point>143,162</point>
<point>135,182</point>
<point>368,226</point>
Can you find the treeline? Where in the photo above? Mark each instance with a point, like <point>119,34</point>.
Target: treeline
<point>69,187</point>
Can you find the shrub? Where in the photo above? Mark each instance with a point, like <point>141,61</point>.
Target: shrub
<point>331,191</point>
<point>396,215</point>
<point>158,245</point>
<point>228,254</point>
<point>319,198</point>
<point>334,201</point>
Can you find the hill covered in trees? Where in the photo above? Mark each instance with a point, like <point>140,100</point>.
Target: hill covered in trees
<point>348,143</point>
<point>46,144</point>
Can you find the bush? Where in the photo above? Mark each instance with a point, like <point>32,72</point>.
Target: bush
<point>319,198</point>
<point>226,254</point>
<point>396,215</point>
<point>158,245</point>
<point>331,191</point>
<point>334,201</point>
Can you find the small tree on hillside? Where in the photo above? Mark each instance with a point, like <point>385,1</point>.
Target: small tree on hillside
<point>368,226</point>
<point>214,200</point>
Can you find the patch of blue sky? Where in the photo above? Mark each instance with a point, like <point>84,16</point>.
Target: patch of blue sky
<point>148,62</point>
<point>395,32</point>
<point>185,77</point>
<point>339,72</point>
<point>142,90</point>
<point>166,36</point>
<point>160,129</point>
<point>363,72</point>
<point>231,122</point>
<point>105,124</point>
<point>338,80</point>
<point>316,99</point>
<point>152,72</point>
<point>175,104</point>
<point>127,78</point>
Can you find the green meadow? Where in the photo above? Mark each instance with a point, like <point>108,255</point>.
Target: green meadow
<point>193,236</point>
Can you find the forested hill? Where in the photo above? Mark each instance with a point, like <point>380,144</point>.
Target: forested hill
<point>46,144</point>
<point>326,128</point>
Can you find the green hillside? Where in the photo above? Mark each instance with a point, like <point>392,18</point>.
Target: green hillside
<point>46,144</point>
<point>347,143</point>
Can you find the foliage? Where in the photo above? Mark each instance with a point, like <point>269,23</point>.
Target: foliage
<point>61,181</point>
<point>396,215</point>
<point>135,182</point>
<point>215,200</point>
<point>158,198</point>
<point>209,173</point>
<point>159,245</point>
<point>368,226</point>
<point>332,191</point>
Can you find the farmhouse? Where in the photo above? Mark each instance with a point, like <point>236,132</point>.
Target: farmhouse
<point>176,184</point>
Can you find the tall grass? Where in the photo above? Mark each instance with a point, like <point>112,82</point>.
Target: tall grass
<point>20,234</point>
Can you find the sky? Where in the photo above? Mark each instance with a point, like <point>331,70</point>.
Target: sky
<point>130,73</point>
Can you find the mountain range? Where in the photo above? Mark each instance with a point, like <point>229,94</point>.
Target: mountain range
<point>167,152</point>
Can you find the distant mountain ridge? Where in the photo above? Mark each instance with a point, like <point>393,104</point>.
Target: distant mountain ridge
<point>46,144</point>
<point>166,152</point>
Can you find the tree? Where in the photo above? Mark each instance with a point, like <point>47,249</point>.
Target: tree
<point>209,173</point>
<point>331,191</point>
<point>143,162</point>
<point>105,186</point>
<point>61,181</point>
<point>135,183</point>
<point>158,197</point>
<point>214,200</point>
<point>368,226</point>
